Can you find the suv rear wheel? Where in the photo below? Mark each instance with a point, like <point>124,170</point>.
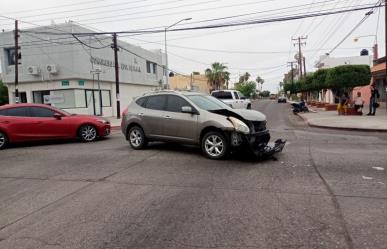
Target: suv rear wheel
<point>214,145</point>
<point>136,138</point>
<point>3,140</point>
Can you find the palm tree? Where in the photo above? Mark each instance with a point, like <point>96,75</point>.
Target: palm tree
<point>259,80</point>
<point>245,77</point>
<point>217,75</point>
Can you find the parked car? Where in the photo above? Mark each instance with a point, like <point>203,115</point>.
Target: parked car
<point>281,99</point>
<point>198,119</point>
<point>32,122</point>
<point>234,99</point>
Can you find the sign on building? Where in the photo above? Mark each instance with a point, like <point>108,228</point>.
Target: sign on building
<point>53,99</point>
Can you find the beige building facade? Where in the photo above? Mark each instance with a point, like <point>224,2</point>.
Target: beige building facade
<point>195,82</point>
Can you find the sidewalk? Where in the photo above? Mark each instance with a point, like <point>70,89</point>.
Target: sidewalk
<point>330,119</point>
<point>114,122</point>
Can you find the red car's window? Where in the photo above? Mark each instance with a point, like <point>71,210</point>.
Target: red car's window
<point>41,112</point>
<point>17,112</point>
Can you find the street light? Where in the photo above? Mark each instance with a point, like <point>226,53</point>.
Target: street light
<point>165,43</point>
<point>374,48</point>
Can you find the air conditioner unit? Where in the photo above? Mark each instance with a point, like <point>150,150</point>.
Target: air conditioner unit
<point>33,70</point>
<point>52,69</point>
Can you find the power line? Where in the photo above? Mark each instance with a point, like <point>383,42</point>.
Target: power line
<point>215,26</point>
<point>87,45</point>
<point>54,7</point>
<point>354,28</point>
<point>90,8</point>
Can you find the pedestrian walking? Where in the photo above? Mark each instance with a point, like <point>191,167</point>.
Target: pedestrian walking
<point>373,99</point>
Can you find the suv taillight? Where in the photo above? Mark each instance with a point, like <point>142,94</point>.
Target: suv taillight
<point>125,112</point>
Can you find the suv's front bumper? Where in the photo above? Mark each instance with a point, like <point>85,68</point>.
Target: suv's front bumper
<point>259,143</point>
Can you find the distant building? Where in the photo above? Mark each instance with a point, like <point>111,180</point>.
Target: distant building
<point>58,64</point>
<point>195,82</point>
<point>326,61</point>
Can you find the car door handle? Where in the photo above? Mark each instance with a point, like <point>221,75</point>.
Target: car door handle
<point>168,117</point>
<point>141,114</point>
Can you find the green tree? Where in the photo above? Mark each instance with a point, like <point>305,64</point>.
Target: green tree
<point>265,94</point>
<point>345,78</point>
<point>217,75</point>
<point>246,88</point>
<point>3,94</point>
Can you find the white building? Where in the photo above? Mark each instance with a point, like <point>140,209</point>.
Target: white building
<point>326,61</point>
<point>58,64</point>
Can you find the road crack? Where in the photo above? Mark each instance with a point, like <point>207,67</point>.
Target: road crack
<point>336,205</point>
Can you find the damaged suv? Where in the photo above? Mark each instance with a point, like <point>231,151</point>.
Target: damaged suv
<point>198,119</point>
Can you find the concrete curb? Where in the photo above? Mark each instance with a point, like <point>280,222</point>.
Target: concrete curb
<point>339,128</point>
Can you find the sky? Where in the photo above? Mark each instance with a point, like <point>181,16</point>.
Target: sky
<point>260,49</point>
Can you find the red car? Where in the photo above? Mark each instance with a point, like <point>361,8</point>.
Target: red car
<point>32,122</point>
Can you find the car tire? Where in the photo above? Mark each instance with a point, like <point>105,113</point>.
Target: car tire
<point>136,138</point>
<point>214,145</point>
<point>87,133</point>
<point>3,140</point>
<point>248,106</point>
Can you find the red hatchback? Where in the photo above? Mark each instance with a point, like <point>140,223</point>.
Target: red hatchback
<point>33,122</point>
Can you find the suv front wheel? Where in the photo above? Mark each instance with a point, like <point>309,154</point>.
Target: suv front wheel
<point>214,145</point>
<point>136,138</point>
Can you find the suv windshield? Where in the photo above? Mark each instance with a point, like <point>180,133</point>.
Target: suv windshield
<point>207,103</point>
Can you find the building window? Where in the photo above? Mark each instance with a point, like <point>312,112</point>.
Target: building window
<point>81,82</point>
<point>151,67</point>
<point>65,83</point>
<point>10,55</point>
<point>106,98</point>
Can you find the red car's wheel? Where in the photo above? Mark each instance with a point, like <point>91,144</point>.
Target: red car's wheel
<point>87,133</point>
<point>3,140</point>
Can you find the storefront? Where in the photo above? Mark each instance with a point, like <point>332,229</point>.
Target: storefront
<point>63,73</point>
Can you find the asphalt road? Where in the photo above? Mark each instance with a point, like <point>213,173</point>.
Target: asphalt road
<point>327,189</point>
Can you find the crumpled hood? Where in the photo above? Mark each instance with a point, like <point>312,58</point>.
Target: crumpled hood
<point>251,115</point>
<point>244,114</point>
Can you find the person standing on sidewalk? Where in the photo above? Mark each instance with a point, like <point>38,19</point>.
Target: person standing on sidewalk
<point>359,103</point>
<point>373,99</point>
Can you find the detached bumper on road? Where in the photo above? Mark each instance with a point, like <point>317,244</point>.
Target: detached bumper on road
<point>260,145</point>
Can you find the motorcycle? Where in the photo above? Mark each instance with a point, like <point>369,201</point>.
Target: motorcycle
<point>299,107</point>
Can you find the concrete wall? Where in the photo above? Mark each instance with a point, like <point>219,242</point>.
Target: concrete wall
<point>186,82</point>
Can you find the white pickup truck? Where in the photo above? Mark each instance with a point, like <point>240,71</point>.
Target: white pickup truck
<point>233,98</point>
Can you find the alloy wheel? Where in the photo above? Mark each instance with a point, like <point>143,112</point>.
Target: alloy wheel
<point>2,140</point>
<point>214,145</point>
<point>88,133</point>
<point>135,138</point>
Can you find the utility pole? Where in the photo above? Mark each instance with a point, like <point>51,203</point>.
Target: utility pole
<point>117,72</point>
<point>17,100</point>
<point>300,43</point>
<point>385,41</point>
<point>292,73</point>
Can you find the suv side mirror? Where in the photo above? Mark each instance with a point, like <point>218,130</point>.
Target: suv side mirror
<point>187,109</point>
<point>58,116</point>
